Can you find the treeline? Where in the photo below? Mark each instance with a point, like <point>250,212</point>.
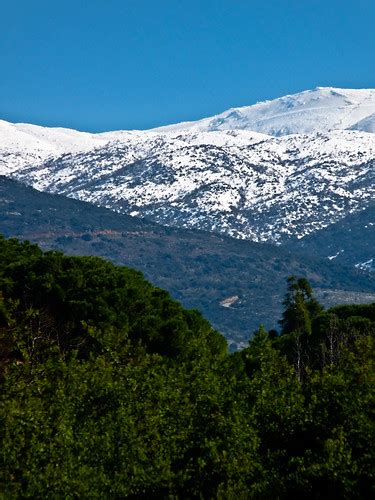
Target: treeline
<point>110,389</point>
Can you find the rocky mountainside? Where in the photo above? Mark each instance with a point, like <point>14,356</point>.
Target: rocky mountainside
<point>236,284</point>
<point>274,171</point>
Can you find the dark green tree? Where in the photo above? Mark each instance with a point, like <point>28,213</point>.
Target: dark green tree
<point>300,307</point>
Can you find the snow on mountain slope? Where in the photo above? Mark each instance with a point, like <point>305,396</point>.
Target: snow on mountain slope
<point>264,189</point>
<point>22,144</point>
<point>365,125</point>
<point>318,110</point>
<point>219,174</point>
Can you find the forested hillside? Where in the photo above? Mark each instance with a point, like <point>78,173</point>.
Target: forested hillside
<point>198,268</point>
<point>110,389</point>
<point>335,242</point>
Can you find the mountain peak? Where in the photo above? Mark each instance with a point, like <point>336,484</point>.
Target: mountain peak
<point>318,110</point>
<point>221,173</point>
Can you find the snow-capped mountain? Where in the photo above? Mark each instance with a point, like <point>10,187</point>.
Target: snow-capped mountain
<point>318,110</point>
<point>268,172</point>
<point>23,144</point>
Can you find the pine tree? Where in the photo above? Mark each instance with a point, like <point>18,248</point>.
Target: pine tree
<point>300,307</point>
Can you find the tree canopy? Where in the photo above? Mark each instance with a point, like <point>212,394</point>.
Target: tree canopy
<point>110,389</point>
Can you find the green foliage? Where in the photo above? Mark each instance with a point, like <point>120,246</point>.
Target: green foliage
<point>58,300</point>
<point>110,389</point>
<point>198,268</point>
<point>300,307</point>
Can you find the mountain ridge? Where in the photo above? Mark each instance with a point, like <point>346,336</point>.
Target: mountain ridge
<point>357,101</point>
<point>263,190</point>
<point>239,182</point>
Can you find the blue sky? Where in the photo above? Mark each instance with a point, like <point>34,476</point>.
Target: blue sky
<point>121,64</point>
